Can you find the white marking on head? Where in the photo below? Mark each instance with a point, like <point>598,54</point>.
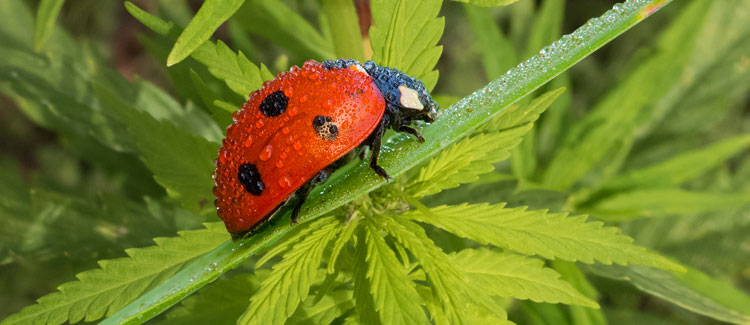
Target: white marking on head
<point>410,98</point>
<point>359,68</point>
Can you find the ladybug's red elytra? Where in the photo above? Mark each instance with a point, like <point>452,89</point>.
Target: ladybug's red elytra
<point>295,130</point>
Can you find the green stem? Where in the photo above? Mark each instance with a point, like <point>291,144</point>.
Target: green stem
<point>400,154</point>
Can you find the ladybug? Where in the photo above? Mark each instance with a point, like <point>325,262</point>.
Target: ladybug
<point>294,131</point>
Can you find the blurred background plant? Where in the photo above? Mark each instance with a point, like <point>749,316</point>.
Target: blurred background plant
<point>651,135</point>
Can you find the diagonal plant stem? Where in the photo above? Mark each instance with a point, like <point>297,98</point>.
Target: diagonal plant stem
<point>399,154</point>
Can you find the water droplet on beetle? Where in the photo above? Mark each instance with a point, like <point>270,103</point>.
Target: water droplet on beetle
<point>285,182</point>
<point>266,153</point>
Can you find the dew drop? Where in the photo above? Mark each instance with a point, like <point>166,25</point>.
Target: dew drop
<point>259,124</point>
<point>288,92</point>
<point>304,99</point>
<point>292,111</point>
<point>297,146</point>
<point>279,164</point>
<point>285,182</point>
<point>248,142</point>
<point>285,130</point>
<point>266,153</point>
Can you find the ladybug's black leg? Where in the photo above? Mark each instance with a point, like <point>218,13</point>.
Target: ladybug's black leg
<point>409,130</point>
<point>375,139</point>
<point>306,188</point>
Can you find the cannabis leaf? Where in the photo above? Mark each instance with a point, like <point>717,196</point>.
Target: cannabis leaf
<point>289,282</point>
<point>181,162</point>
<point>101,292</point>
<point>394,295</point>
<point>404,36</point>
<point>536,232</point>
<point>511,275</point>
<point>210,16</point>
<point>240,75</point>
<point>465,160</point>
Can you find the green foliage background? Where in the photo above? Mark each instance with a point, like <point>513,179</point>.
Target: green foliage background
<point>617,193</point>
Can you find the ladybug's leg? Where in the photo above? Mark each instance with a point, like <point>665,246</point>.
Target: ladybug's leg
<point>306,188</point>
<point>409,130</point>
<point>375,138</point>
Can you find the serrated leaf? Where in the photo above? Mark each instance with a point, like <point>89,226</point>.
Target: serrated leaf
<point>465,160</point>
<point>346,235</point>
<point>289,282</point>
<point>221,302</point>
<point>413,52</point>
<point>240,75</point>
<point>682,167</point>
<point>510,275</point>
<point>292,239</point>
<point>365,303</point>
<point>662,202</point>
<point>488,3</point>
<point>101,292</point>
<point>691,290</point>
<point>275,21</point>
<point>182,163</point>
<point>452,292</point>
<point>394,295</point>
<point>210,16</point>
<point>45,21</point>
<point>536,232</point>
<point>331,306</point>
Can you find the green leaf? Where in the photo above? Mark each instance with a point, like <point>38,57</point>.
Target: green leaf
<point>448,284</point>
<point>289,282</point>
<point>210,16</point>
<point>681,168</point>
<point>219,303</point>
<point>394,295</point>
<point>510,275</point>
<point>662,202</point>
<point>344,25</point>
<point>692,290</point>
<point>464,161</point>
<point>573,275</point>
<point>365,303</point>
<point>346,234</point>
<point>240,75</point>
<point>45,21</point>
<point>153,23</point>
<point>181,163</point>
<point>536,232</point>
<point>404,36</point>
<point>331,306</point>
<point>275,21</point>
<point>498,54</point>
<point>614,117</point>
<point>488,3</point>
<point>292,239</point>
<point>101,292</point>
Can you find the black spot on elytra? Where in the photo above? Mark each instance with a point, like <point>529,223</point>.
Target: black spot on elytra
<point>249,177</point>
<point>325,128</point>
<point>274,104</point>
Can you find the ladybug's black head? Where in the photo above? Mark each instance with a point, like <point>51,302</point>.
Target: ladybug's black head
<point>405,96</point>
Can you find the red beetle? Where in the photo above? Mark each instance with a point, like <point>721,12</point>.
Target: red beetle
<point>295,130</point>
